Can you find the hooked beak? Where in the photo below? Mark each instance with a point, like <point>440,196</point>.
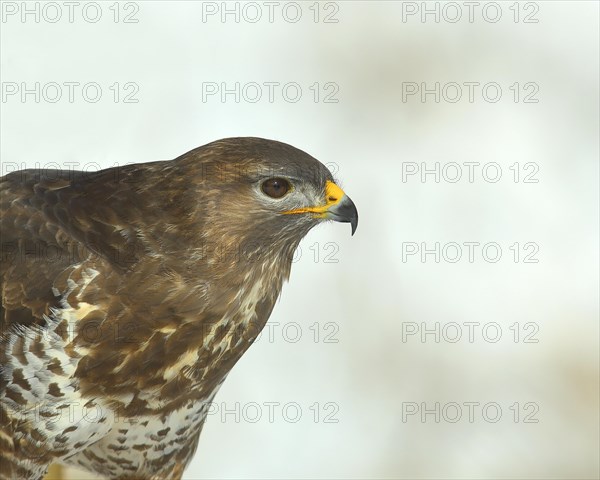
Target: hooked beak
<point>338,207</point>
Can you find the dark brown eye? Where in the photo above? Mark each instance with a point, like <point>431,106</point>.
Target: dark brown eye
<point>275,187</point>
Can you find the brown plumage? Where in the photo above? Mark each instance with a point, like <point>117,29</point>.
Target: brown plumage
<point>128,294</point>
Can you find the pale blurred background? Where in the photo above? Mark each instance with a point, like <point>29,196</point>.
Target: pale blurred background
<point>352,402</point>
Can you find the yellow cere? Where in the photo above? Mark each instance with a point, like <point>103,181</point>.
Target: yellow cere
<point>333,195</point>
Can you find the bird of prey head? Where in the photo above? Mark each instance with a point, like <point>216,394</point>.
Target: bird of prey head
<point>266,194</point>
<point>134,290</point>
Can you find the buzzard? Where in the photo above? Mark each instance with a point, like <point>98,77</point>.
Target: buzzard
<point>128,294</point>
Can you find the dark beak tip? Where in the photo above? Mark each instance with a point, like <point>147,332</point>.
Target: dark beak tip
<point>345,212</point>
<point>351,214</point>
<point>354,224</point>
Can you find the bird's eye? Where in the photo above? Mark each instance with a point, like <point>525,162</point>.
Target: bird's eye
<point>275,187</point>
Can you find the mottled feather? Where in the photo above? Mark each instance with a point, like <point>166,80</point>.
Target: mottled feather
<point>128,294</point>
